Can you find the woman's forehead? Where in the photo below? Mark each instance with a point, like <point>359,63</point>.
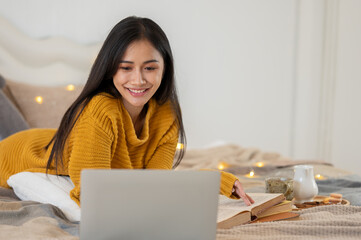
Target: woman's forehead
<point>141,50</point>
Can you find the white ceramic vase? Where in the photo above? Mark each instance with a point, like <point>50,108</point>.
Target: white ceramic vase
<point>304,184</point>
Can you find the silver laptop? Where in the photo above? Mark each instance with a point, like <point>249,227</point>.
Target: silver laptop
<point>149,204</point>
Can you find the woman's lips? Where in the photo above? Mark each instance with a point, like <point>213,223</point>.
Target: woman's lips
<point>137,92</point>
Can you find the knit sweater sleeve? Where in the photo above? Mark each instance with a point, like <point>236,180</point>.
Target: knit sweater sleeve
<point>227,183</point>
<point>91,148</point>
<point>164,153</point>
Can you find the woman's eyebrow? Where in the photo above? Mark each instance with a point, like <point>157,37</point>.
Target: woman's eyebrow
<point>149,61</point>
<point>123,61</point>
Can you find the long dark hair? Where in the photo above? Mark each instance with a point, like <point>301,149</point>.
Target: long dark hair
<point>101,80</point>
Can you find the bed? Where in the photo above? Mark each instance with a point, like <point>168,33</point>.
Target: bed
<point>28,99</point>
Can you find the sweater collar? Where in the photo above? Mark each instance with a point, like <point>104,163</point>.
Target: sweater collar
<point>129,127</point>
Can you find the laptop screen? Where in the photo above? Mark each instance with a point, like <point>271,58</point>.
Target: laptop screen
<point>149,204</point>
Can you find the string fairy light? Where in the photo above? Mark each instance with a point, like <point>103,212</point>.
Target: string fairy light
<point>39,99</point>
<point>180,146</point>
<point>260,164</point>
<point>222,165</point>
<point>251,174</point>
<point>70,87</point>
<point>319,177</point>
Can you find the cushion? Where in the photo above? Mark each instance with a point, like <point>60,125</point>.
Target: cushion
<point>11,119</point>
<point>42,106</point>
<point>44,188</point>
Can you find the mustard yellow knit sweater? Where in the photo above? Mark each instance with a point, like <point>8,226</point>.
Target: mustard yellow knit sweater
<point>103,137</point>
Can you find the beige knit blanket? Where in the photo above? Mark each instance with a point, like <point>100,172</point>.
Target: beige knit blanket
<point>326,222</point>
<point>238,158</point>
<point>231,154</point>
<point>31,220</point>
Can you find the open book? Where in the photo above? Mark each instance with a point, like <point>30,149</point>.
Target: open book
<point>284,206</point>
<point>235,212</point>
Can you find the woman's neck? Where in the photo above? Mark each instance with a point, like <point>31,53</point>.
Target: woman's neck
<point>134,113</point>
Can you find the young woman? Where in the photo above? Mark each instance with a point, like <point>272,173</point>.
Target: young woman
<point>127,116</point>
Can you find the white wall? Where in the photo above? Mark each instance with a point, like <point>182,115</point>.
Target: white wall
<point>328,83</point>
<point>345,149</point>
<point>234,59</point>
<point>257,73</point>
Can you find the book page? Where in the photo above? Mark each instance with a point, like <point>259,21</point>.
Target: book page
<point>284,206</point>
<point>228,208</point>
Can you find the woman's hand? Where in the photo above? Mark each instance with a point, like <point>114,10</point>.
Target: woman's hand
<point>239,192</point>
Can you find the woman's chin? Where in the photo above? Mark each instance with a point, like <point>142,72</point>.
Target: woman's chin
<point>137,104</point>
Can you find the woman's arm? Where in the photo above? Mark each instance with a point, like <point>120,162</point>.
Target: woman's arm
<point>90,148</point>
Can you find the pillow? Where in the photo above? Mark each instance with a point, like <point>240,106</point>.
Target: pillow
<point>10,118</point>
<point>48,111</point>
<point>44,188</point>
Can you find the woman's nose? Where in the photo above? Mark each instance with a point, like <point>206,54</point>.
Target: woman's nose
<point>137,78</point>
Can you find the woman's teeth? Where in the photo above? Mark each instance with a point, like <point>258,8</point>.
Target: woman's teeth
<point>136,91</point>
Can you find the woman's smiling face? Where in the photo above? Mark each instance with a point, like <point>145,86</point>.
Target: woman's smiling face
<point>139,74</point>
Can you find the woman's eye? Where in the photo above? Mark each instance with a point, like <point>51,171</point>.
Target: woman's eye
<point>125,68</point>
<point>149,68</point>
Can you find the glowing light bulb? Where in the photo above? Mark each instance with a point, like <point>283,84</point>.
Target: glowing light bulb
<point>180,146</point>
<point>260,164</point>
<point>70,87</point>
<point>250,174</point>
<point>319,177</point>
<point>221,166</point>
<point>39,99</point>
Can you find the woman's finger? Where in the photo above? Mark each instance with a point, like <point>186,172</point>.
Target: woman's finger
<point>244,196</point>
<point>238,189</point>
<point>249,198</point>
